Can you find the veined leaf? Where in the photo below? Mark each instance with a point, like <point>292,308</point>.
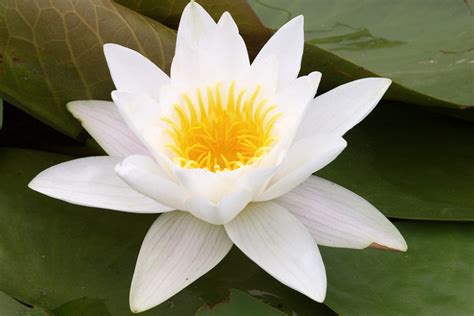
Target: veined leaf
<point>238,303</point>
<point>434,277</point>
<point>410,163</point>
<point>51,53</point>
<point>425,47</point>
<point>11,307</point>
<point>54,254</point>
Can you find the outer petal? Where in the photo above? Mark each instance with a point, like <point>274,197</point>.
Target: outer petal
<point>338,110</point>
<point>273,238</point>
<point>337,217</point>
<point>292,101</point>
<point>104,123</point>
<point>305,157</point>
<point>287,45</point>
<point>133,72</point>
<point>144,175</point>
<point>177,250</point>
<point>92,182</point>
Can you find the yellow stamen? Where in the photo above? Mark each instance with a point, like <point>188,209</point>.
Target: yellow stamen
<point>221,137</point>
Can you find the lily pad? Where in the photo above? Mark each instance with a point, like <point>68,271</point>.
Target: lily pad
<point>410,164</point>
<point>239,304</point>
<point>425,47</point>
<point>434,277</point>
<point>11,307</point>
<point>54,255</point>
<point>82,307</point>
<point>51,53</point>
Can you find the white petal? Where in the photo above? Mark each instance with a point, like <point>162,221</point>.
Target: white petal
<point>92,182</point>
<point>305,157</point>
<point>177,250</point>
<point>292,102</point>
<point>287,45</point>
<point>195,26</point>
<point>337,217</point>
<point>104,123</point>
<point>221,56</point>
<point>295,97</point>
<point>274,239</point>
<point>226,58</point>
<point>263,73</point>
<point>146,176</point>
<point>195,29</point>
<point>142,114</point>
<point>139,111</point>
<point>218,197</point>
<point>133,72</point>
<point>338,110</point>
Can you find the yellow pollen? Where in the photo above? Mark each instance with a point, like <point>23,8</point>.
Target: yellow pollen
<point>217,136</point>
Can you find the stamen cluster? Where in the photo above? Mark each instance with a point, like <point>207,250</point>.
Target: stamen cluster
<point>221,137</point>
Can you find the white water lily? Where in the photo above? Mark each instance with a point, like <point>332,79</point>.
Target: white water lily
<point>226,150</point>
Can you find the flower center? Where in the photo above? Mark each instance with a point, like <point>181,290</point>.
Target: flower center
<point>221,137</point>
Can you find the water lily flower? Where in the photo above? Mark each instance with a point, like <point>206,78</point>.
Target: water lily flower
<point>225,149</point>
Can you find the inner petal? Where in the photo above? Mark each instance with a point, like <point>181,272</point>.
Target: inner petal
<point>221,128</point>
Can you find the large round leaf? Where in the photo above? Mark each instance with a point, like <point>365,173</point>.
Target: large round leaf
<point>410,164</point>
<point>51,53</point>
<point>434,277</point>
<point>59,257</point>
<point>237,304</point>
<point>424,46</point>
<point>11,307</point>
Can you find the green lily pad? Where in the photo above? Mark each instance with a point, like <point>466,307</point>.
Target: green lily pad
<point>51,53</point>
<point>55,254</point>
<point>82,307</point>
<point>11,307</point>
<point>434,277</point>
<point>425,47</point>
<point>237,304</point>
<point>253,31</point>
<point>410,164</point>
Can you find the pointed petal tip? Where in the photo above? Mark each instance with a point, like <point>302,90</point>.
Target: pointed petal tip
<point>383,83</point>
<point>318,292</point>
<point>137,306</point>
<point>32,184</point>
<point>319,296</point>
<point>109,47</point>
<point>401,247</point>
<point>74,106</point>
<point>193,5</point>
<point>392,241</point>
<point>315,75</point>
<point>299,20</point>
